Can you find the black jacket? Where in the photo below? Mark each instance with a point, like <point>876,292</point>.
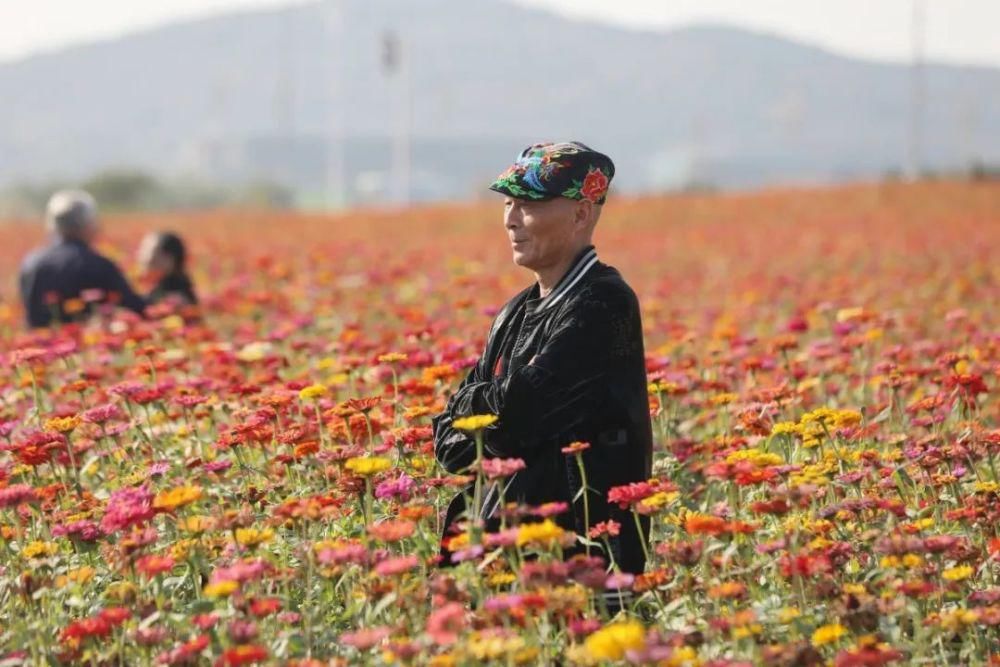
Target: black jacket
<point>569,367</point>
<point>65,269</point>
<point>173,285</point>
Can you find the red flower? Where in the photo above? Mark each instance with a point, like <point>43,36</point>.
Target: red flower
<point>154,564</point>
<point>595,185</point>
<point>261,607</point>
<point>629,494</point>
<point>575,447</point>
<point>610,527</point>
<point>84,629</point>
<point>185,654</point>
<point>242,655</point>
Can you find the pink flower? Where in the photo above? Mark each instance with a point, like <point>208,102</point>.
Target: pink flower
<point>444,624</point>
<point>218,465</point>
<point>16,494</point>
<point>84,530</point>
<point>242,571</point>
<point>102,413</point>
<point>400,489</point>
<point>396,565</point>
<point>502,467</point>
<point>619,581</point>
<point>364,638</point>
<point>127,507</point>
<point>349,553</point>
<point>504,538</point>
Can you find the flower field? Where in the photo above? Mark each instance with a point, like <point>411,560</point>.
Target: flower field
<point>259,485</point>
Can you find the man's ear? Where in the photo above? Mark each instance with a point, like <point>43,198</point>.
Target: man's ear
<point>584,212</point>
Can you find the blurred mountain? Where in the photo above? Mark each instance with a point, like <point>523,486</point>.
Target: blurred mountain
<point>250,96</point>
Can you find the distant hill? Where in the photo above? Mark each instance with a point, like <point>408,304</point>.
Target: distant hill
<point>250,95</point>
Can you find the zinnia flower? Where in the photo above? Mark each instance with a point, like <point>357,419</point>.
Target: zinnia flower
<point>612,641</point>
<point>127,507</point>
<point>474,422</point>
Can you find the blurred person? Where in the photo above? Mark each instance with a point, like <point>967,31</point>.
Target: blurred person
<point>163,256</point>
<point>62,281</point>
<point>563,363</point>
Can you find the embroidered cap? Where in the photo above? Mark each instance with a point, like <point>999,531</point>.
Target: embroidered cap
<point>568,169</point>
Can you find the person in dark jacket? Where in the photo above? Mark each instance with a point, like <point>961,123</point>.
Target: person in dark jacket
<point>563,362</point>
<point>65,279</point>
<point>164,256</point>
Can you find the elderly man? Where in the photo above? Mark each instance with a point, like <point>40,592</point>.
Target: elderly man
<point>54,278</point>
<point>563,362</point>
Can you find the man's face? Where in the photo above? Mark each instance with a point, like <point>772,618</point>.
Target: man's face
<point>542,233</point>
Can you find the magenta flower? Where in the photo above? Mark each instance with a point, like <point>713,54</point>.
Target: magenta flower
<point>127,507</point>
<point>400,489</point>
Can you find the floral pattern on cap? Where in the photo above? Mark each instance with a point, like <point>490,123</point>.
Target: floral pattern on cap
<point>548,170</point>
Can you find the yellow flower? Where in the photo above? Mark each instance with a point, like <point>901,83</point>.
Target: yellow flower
<point>788,614</point>
<point>659,500</point>
<point>38,549</point>
<point>847,314</point>
<point>786,428</point>
<point>337,380</point>
<point>493,647</point>
<point>255,351</point>
<point>611,641</point>
<point>986,487</point>
<point>63,424</point>
<point>890,561</point>
<point>501,579</point>
<point>474,422</point>
<point>818,416</point>
<point>220,589</point>
<point>177,497</point>
<point>121,591</point>
<point>365,466</point>
<point>458,542</point>
<point>173,322</point>
<point>391,357</point>
<point>684,656</point>
<point>252,537</point>
<point>180,549</point>
<point>312,391</point>
<point>844,418</point>
<point>545,532</point>
<point>416,411</point>
<point>443,660</point>
<point>723,399</point>
<point>526,656</point>
<point>955,619</point>
<point>195,524</point>
<point>80,575</point>
<point>828,634</point>
<point>958,573</point>
<point>757,457</point>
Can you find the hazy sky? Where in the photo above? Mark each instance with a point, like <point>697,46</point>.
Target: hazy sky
<point>956,30</point>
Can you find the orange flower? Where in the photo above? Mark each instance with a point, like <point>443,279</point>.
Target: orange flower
<point>703,524</point>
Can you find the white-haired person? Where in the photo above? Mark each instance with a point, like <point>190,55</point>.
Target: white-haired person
<point>62,281</point>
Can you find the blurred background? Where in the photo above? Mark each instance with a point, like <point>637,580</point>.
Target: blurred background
<point>321,105</point>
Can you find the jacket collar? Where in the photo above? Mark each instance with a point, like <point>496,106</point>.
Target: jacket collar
<point>584,261</point>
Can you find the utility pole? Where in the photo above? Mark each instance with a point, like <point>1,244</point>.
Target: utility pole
<point>336,190</point>
<point>284,97</point>
<point>917,92</point>
<point>396,65</point>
